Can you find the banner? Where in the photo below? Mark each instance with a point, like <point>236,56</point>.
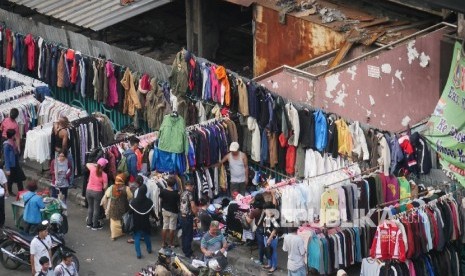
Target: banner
<point>446,127</point>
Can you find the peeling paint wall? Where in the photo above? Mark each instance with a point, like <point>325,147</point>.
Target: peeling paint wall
<point>388,91</point>
<point>292,43</point>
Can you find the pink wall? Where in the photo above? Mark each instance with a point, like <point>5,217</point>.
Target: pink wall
<point>395,88</point>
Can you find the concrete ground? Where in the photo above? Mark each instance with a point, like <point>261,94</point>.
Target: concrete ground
<point>98,255</point>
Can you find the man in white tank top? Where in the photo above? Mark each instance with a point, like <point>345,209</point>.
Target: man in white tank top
<point>238,168</point>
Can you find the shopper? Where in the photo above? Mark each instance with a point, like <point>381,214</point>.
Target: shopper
<point>294,245</point>
<point>238,168</point>
<point>119,195</point>
<point>131,161</point>
<point>40,246</point>
<point>67,267</point>
<point>60,140</point>
<point>10,123</point>
<point>170,210</point>
<point>60,170</point>
<point>140,181</point>
<point>271,227</point>
<point>46,270</point>
<point>188,209</point>
<point>60,143</point>
<point>97,184</point>
<point>3,195</point>
<point>256,216</point>
<point>213,241</point>
<point>32,204</point>
<point>13,170</point>
<point>204,216</point>
<point>142,207</point>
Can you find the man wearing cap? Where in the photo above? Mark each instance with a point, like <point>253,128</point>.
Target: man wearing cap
<point>40,246</point>
<point>32,205</point>
<point>238,167</point>
<point>67,267</point>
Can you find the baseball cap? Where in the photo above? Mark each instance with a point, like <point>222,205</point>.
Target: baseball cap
<point>102,162</point>
<point>234,146</point>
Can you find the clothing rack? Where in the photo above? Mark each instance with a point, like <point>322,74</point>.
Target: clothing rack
<point>26,80</point>
<point>425,205</point>
<point>214,120</point>
<point>370,170</point>
<point>408,197</point>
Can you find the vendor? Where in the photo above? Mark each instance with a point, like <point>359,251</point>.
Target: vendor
<point>165,266</point>
<point>213,241</point>
<point>238,166</point>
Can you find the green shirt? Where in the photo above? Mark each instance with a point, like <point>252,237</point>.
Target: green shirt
<point>173,137</point>
<point>404,188</point>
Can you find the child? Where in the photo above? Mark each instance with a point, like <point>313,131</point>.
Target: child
<point>60,169</point>
<point>46,269</point>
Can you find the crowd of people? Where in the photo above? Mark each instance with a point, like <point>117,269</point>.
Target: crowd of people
<point>129,194</point>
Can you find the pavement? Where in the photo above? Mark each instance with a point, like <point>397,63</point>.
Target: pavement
<point>99,255</point>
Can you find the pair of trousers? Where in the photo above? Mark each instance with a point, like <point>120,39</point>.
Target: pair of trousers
<point>64,191</point>
<point>148,242</point>
<point>187,226</point>
<point>93,210</point>
<point>2,211</point>
<point>273,262</point>
<point>299,272</point>
<point>261,245</point>
<point>16,176</point>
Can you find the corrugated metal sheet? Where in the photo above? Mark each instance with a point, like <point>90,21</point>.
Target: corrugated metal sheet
<point>86,45</point>
<point>245,3</point>
<point>92,14</point>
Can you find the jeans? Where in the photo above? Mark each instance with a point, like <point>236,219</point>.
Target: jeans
<point>64,191</point>
<point>299,272</point>
<point>93,210</point>
<point>187,226</point>
<point>148,242</point>
<point>2,211</point>
<point>261,245</point>
<point>273,262</point>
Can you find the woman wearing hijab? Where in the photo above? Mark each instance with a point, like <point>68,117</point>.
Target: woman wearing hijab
<point>119,196</point>
<point>141,207</point>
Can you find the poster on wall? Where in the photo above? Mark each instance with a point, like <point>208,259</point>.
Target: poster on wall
<point>446,127</point>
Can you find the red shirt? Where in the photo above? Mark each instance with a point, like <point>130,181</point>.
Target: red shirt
<point>9,124</point>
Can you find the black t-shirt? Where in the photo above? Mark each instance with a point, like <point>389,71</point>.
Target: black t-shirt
<point>170,200</point>
<point>205,220</point>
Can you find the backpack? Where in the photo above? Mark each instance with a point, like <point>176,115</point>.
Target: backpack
<point>123,165</point>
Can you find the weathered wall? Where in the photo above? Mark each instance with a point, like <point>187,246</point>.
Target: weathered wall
<point>392,89</point>
<point>295,42</point>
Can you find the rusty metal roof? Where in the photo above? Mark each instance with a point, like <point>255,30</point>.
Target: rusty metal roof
<point>245,3</point>
<point>92,14</point>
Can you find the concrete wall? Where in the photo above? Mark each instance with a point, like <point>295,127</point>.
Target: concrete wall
<point>390,90</point>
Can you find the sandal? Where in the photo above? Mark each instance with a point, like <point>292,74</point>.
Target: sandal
<point>130,241</point>
<point>266,267</point>
<point>272,270</point>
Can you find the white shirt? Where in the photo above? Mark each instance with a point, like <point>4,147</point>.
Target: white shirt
<point>294,245</point>
<point>39,250</point>
<point>3,181</point>
<point>63,270</point>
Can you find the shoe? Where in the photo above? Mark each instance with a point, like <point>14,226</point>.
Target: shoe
<point>139,257</point>
<point>130,240</point>
<point>98,227</point>
<point>89,225</point>
<point>149,251</point>
<point>271,271</point>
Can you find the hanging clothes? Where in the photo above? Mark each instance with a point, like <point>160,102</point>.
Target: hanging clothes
<point>131,101</point>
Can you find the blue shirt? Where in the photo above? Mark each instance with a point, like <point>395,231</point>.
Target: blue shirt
<point>33,204</point>
<point>131,161</point>
<point>313,258</point>
<point>321,130</point>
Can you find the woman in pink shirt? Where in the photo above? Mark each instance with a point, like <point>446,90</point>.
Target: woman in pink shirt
<point>10,123</point>
<point>98,182</point>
